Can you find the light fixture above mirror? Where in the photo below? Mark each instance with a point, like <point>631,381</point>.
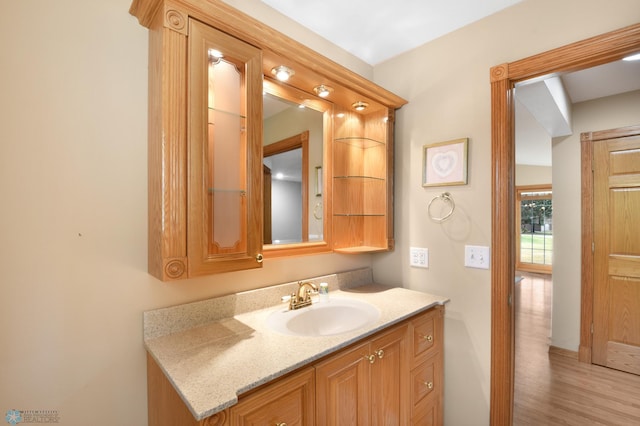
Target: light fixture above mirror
<point>282,72</point>
<point>323,91</point>
<point>360,105</point>
<point>215,54</point>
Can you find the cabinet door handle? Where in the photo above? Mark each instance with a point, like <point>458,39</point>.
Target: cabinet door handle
<point>428,338</point>
<point>259,259</point>
<point>429,385</point>
<point>370,358</point>
<point>281,424</point>
<point>380,353</point>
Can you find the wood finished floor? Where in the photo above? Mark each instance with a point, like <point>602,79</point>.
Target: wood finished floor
<point>554,388</point>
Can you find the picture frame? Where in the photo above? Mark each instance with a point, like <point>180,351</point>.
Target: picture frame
<point>445,163</point>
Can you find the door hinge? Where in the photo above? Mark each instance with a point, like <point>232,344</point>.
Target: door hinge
<point>510,301</point>
<point>593,247</point>
<point>591,328</point>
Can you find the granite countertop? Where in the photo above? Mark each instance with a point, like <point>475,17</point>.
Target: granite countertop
<point>213,362</point>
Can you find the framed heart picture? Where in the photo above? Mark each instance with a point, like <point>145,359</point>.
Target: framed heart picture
<point>445,163</point>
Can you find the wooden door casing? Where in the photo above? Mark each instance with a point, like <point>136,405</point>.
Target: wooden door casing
<point>608,47</point>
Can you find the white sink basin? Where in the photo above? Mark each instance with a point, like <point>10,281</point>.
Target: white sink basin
<point>335,316</point>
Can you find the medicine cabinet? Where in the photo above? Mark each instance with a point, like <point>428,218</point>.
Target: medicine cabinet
<point>209,68</point>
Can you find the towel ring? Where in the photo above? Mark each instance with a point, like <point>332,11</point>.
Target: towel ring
<point>317,211</point>
<point>446,198</point>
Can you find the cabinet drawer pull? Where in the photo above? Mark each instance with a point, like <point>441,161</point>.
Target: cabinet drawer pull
<point>428,338</point>
<point>429,385</point>
<point>380,353</point>
<point>370,358</point>
<point>281,424</point>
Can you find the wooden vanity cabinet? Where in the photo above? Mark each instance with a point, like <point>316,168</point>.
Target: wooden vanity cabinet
<point>286,401</point>
<point>394,377</point>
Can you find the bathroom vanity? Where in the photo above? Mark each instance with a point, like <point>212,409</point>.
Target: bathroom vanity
<point>220,362</point>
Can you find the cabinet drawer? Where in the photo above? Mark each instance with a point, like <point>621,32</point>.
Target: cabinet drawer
<point>426,338</point>
<point>424,381</point>
<point>426,415</point>
<point>289,401</point>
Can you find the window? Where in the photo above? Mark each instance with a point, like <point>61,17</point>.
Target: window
<point>534,219</point>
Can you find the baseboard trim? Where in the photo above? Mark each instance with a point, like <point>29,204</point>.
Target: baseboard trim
<point>584,354</point>
<point>554,350</point>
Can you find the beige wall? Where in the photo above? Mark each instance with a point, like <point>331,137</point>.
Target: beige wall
<point>532,175</point>
<point>600,114</point>
<point>447,85</point>
<point>73,221</point>
<point>74,217</point>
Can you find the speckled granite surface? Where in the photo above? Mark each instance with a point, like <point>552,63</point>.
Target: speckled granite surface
<point>216,349</point>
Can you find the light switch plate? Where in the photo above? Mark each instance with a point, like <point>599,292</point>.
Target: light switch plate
<point>477,257</point>
<point>419,257</point>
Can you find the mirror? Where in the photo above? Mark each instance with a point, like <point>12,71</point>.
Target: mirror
<point>295,140</point>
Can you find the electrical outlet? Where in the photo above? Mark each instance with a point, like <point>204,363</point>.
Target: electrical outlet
<point>419,257</point>
<point>477,257</point>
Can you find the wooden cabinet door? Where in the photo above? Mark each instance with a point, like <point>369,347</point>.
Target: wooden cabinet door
<point>224,203</point>
<point>366,385</point>
<point>389,402</point>
<point>342,388</point>
<point>290,401</point>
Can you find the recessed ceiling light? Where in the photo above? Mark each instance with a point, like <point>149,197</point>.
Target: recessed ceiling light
<point>634,57</point>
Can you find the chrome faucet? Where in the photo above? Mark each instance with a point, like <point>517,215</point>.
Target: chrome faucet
<point>303,296</point>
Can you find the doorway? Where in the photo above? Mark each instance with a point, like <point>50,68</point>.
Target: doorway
<point>595,51</point>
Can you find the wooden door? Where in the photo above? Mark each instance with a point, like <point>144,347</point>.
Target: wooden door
<point>389,399</point>
<point>342,389</point>
<point>616,209</point>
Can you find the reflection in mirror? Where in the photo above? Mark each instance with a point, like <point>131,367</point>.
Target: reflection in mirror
<point>285,166</point>
<point>293,149</point>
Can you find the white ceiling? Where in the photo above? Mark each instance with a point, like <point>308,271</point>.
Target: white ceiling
<point>533,141</point>
<point>377,30</point>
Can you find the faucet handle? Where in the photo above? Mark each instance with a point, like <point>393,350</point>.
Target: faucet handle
<point>286,298</point>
